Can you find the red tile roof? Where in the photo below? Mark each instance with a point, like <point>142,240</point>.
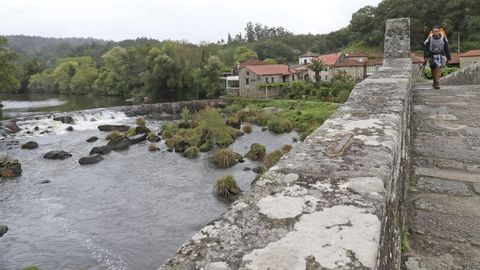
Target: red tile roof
<point>472,53</point>
<point>309,54</point>
<point>350,63</point>
<point>416,59</point>
<point>252,63</point>
<point>330,59</point>
<point>302,68</point>
<point>276,69</point>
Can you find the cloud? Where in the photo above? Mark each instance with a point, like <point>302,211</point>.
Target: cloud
<point>208,20</point>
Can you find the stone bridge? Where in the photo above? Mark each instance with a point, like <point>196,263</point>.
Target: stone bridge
<point>398,164</point>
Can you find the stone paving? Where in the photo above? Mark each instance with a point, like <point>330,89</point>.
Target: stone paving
<point>444,195</point>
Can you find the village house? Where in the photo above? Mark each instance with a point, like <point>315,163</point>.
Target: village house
<point>469,58</point>
<point>265,81</point>
<point>306,58</point>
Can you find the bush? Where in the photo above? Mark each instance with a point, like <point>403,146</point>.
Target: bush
<point>169,129</point>
<point>32,267</point>
<point>223,158</point>
<point>153,137</point>
<point>140,121</point>
<point>286,148</point>
<point>152,147</point>
<point>131,132</point>
<point>257,152</point>
<point>233,108</point>
<point>342,96</point>
<point>226,187</point>
<point>247,128</point>
<point>113,135</point>
<point>273,157</point>
<point>191,152</point>
<point>279,126</point>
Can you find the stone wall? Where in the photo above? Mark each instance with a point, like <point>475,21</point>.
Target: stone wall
<point>336,200</point>
<point>468,75</point>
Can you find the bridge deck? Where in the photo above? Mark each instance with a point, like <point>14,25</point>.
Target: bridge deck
<point>444,200</point>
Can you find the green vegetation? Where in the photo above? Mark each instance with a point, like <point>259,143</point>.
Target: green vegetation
<point>273,157</point>
<point>257,152</point>
<point>152,147</point>
<point>427,72</point>
<point>404,246</point>
<point>32,267</point>
<point>317,66</point>
<point>140,121</point>
<point>8,81</point>
<point>223,158</point>
<point>207,129</point>
<point>113,135</point>
<point>226,187</point>
<point>152,137</point>
<point>286,148</point>
<point>279,126</point>
<point>191,152</point>
<point>247,128</point>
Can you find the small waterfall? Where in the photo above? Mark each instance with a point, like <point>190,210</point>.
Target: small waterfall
<point>83,120</point>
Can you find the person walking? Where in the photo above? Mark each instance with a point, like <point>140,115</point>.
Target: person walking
<point>438,53</point>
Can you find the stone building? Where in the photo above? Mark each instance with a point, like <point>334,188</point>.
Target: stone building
<point>265,81</point>
<point>306,58</point>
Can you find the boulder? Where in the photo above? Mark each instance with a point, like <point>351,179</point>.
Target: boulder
<point>92,159</point>
<point>259,169</point>
<point>109,128</point>
<point>3,229</point>
<point>69,128</point>
<point>102,150</point>
<point>29,145</point>
<point>142,130</point>
<point>138,138</point>
<point>234,122</point>
<point>11,127</point>
<point>181,146</point>
<point>36,128</point>
<point>10,168</point>
<point>46,182</point>
<point>247,169</point>
<point>119,143</point>
<point>239,158</point>
<point>66,119</point>
<point>153,138</point>
<point>93,119</point>
<point>61,155</point>
<point>92,139</point>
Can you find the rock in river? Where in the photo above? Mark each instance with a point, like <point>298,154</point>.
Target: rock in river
<point>92,159</point>
<point>29,145</point>
<point>92,139</point>
<point>102,150</point>
<point>142,129</point>
<point>66,119</point>
<point>119,143</point>
<point>138,138</point>
<point>57,155</point>
<point>109,128</point>
<point>3,229</point>
<point>69,128</point>
<point>10,168</point>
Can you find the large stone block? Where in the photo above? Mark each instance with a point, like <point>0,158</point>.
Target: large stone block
<point>397,38</point>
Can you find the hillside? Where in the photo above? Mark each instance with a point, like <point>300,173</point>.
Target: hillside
<point>29,45</point>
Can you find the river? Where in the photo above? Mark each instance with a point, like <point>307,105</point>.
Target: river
<point>20,105</point>
<point>131,211</point>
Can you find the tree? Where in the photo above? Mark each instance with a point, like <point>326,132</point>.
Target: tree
<point>242,54</point>
<point>211,75</point>
<point>250,32</point>
<point>229,39</point>
<point>8,81</point>
<point>317,66</point>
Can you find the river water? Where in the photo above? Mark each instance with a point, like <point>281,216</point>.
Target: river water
<point>130,211</point>
<point>20,105</point>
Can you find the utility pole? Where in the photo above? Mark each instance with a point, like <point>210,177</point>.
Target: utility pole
<point>458,47</point>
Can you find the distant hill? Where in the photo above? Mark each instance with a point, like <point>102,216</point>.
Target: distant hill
<point>28,45</point>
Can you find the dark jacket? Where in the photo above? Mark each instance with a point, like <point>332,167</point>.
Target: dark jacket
<point>428,54</point>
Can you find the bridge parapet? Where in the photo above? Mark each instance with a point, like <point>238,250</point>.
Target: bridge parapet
<point>335,201</point>
<point>468,75</point>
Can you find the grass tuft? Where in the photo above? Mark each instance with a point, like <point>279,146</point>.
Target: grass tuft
<point>226,187</point>
<point>223,158</point>
<point>257,152</point>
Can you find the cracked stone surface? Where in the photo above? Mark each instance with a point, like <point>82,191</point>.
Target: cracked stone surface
<point>444,203</point>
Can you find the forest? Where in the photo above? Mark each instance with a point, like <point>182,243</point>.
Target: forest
<point>182,70</point>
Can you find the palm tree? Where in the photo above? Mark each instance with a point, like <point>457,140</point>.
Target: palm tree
<point>317,66</point>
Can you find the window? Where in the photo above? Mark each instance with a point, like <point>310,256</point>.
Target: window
<point>248,73</point>
<point>247,80</point>
<point>293,78</point>
<point>305,61</point>
<point>266,80</point>
<point>273,79</point>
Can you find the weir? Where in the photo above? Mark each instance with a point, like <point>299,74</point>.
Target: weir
<point>337,200</point>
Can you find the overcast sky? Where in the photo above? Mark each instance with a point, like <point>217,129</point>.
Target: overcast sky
<point>193,20</point>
